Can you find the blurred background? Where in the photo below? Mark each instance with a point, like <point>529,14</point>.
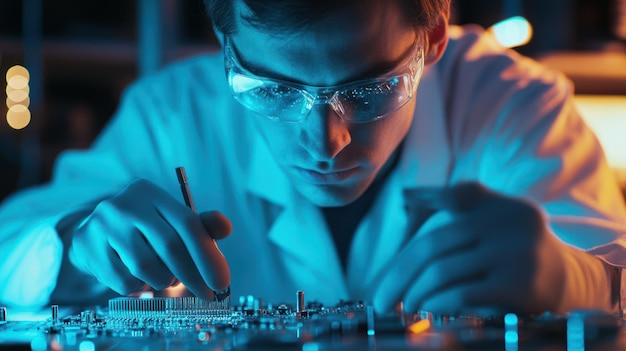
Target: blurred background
<point>80,55</point>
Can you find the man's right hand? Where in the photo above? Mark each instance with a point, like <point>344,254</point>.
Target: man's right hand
<point>142,235</point>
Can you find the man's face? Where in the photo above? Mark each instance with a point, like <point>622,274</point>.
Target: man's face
<point>328,160</point>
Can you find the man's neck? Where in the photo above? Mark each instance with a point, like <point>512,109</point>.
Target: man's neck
<point>343,221</point>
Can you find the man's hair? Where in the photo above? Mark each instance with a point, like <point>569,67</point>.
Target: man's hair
<point>284,16</point>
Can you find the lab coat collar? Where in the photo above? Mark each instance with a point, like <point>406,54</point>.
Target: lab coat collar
<point>265,177</point>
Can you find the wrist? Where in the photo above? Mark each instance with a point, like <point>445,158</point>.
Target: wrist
<point>589,282</point>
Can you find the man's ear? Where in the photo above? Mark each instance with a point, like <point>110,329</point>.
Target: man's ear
<point>219,35</point>
<point>437,40</point>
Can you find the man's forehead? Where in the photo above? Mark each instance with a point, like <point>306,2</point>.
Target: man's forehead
<point>374,70</point>
<point>340,47</point>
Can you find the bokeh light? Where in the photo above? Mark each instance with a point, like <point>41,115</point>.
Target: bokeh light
<point>11,103</point>
<point>512,32</point>
<point>86,345</point>
<point>17,71</point>
<point>419,326</point>
<point>11,89</point>
<point>18,90</point>
<point>18,96</point>
<point>510,319</point>
<point>18,82</point>
<point>18,116</point>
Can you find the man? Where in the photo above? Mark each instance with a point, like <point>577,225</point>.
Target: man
<point>482,193</point>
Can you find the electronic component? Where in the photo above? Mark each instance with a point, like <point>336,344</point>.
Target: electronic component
<point>189,323</point>
<point>3,314</point>
<point>168,307</point>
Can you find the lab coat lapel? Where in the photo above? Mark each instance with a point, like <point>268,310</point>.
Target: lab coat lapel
<point>265,178</point>
<point>308,251</point>
<point>426,158</point>
<point>425,162</point>
<point>299,232</point>
<point>378,237</point>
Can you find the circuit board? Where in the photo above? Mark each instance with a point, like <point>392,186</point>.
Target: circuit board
<point>189,323</point>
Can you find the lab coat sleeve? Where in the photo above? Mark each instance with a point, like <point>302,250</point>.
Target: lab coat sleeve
<point>526,138</point>
<point>32,251</point>
<point>560,165</point>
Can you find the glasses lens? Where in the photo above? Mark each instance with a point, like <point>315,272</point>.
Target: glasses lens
<point>374,100</point>
<point>359,103</point>
<point>268,98</point>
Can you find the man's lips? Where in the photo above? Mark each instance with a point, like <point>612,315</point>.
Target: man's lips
<point>324,177</point>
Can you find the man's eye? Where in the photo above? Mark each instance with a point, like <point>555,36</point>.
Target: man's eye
<point>372,91</point>
<point>275,91</point>
<point>384,87</point>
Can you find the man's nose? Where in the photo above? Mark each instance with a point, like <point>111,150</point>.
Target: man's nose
<point>324,134</point>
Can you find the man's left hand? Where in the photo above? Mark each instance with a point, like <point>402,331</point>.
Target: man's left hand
<point>494,253</point>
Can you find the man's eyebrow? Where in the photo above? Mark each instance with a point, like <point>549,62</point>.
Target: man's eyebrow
<point>375,71</point>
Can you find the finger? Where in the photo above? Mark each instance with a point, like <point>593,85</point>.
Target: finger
<point>467,298</point>
<point>142,261</point>
<point>174,253</point>
<point>414,257</point>
<point>92,252</point>
<point>179,237</point>
<point>218,226</point>
<point>457,198</point>
<point>201,247</point>
<point>496,294</point>
<point>444,273</point>
<point>118,277</point>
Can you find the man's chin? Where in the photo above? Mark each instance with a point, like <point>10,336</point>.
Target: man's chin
<point>331,195</point>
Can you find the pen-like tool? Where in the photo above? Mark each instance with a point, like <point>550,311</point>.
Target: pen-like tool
<point>184,187</point>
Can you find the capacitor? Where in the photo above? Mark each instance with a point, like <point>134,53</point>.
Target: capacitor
<point>257,306</point>
<point>371,331</point>
<point>250,301</point>
<point>242,303</point>
<point>300,301</point>
<point>55,314</point>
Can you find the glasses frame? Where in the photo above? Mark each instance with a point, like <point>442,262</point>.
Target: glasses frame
<point>410,71</point>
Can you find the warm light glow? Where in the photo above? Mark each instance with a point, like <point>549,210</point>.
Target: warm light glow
<point>11,89</point>
<point>512,32</point>
<point>17,71</point>
<point>18,82</point>
<point>606,116</point>
<point>11,103</point>
<point>419,326</point>
<point>18,116</point>
<point>146,295</point>
<point>620,19</point>
<point>17,96</point>
<point>18,100</point>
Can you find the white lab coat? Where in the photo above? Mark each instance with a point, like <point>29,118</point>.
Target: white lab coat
<point>482,114</point>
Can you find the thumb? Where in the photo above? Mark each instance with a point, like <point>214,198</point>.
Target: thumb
<point>218,226</point>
